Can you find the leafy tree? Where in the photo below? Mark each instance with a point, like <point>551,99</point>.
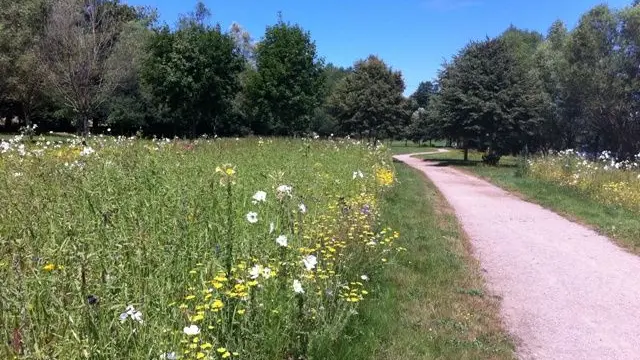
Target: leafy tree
<point>21,32</point>
<point>421,125</point>
<point>487,100</point>
<point>129,108</point>
<point>370,101</point>
<point>602,55</point>
<point>192,74</point>
<point>286,89</point>
<point>323,122</point>
<point>424,93</point>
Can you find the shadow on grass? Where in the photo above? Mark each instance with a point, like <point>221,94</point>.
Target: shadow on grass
<point>469,163</point>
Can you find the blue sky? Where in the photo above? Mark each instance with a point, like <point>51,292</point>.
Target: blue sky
<point>413,36</point>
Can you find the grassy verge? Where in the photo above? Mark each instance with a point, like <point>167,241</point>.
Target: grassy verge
<point>620,224</point>
<point>430,303</point>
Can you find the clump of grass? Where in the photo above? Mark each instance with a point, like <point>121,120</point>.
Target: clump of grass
<point>130,249</point>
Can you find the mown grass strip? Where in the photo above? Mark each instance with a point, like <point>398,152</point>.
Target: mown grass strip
<point>431,302</point>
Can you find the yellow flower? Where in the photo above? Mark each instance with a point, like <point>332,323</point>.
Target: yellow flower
<point>221,350</point>
<point>49,267</point>
<point>217,305</point>
<point>198,317</point>
<point>206,346</point>
<point>241,311</point>
<point>200,355</point>
<point>226,355</point>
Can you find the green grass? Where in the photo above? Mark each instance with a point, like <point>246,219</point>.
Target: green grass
<point>401,147</point>
<point>431,302</point>
<point>620,224</point>
<point>41,137</point>
<point>169,228</point>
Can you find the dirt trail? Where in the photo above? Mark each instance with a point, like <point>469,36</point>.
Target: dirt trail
<point>567,292</point>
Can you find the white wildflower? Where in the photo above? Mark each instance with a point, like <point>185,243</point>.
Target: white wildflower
<point>358,174</point>
<point>169,356</point>
<point>252,217</point>
<point>284,190</point>
<point>131,312</point>
<point>297,287</point>
<point>272,227</point>
<point>310,262</point>
<point>266,273</point>
<point>88,150</point>
<point>364,278</point>
<point>255,271</point>
<point>303,208</point>
<point>259,196</point>
<point>191,330</point>
<point>282,241</point>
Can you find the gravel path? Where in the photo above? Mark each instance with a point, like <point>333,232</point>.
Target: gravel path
<point>567,292</point>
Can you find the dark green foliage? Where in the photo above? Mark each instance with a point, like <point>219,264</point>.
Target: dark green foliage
<point>192,74</point>
<point>487,100</point>
<point>369,101</point>
<point>286,89</point>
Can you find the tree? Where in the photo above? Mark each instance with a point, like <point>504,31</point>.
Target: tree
<point>421,125</point>
<point>286,88</point>
<point>193,75</point>
<point>323,123</point>
<point>244,42</point>
<point>487,100</point>
<point>79,40</point>
<point>424,93</point>
<point>20,42</point>
<point>370,101</point>
<point>129,108</point>
<point>603,75</point>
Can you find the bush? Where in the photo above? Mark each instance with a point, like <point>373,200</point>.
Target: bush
<point>491,158</point>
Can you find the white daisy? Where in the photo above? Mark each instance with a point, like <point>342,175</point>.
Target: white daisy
<point>191,330</point>
<point>282,240</point>
<point>310,262</point>
<point>252,217</point>
<point>259,196</point>
<point>297,287</point>
<point>284,190</point>
<point>255,271</point>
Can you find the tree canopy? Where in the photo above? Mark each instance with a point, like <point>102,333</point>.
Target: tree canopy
<point>93,65</point>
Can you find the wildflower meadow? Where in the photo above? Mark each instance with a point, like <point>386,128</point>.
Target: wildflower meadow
<point>603,178</point>
<point>120,248</point>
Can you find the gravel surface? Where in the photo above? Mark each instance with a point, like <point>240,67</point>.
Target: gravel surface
<point>566,291</point>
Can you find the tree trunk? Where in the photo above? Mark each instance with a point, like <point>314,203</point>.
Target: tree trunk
<point>466,152</point>
<point>84,125</point>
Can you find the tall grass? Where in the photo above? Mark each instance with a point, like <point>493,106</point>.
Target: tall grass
<point>605,180</point>
<point>130,249</point>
